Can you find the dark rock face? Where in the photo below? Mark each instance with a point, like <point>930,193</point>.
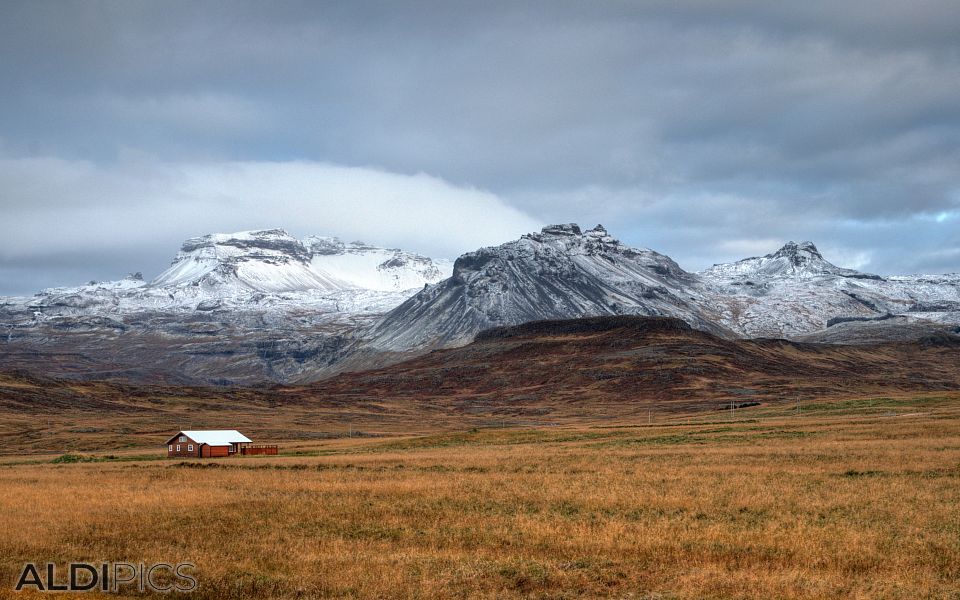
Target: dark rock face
<point>798,253</point>
<point>838,320</point>
<point>566,229</point>
<point>276,240</point>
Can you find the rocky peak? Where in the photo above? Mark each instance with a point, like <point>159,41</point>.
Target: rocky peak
<point>573,230</point>
<point>597,232</point>
<point>564,229</point>
<point>333,246</point>
<point>569,237</point>
<point>324,246</point>
<point>798,253</point>
<point>246,245</point>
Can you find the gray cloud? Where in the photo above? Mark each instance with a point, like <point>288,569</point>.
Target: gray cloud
<point>697,128</point>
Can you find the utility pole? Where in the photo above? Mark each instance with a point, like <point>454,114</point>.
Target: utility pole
<point>649,416</point>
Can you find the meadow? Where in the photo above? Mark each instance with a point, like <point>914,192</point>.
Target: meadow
<point>847,499</point>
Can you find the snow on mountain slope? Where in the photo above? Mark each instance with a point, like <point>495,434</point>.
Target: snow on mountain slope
<point>794,260</point>
<point>265,261</point>
<point>232,308</point>
<point>262,270</point>
<point>560,272</point>
<point>364,266</point>
<point>795,291</point>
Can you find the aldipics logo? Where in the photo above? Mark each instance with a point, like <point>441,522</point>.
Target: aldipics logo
<point>108,577</point>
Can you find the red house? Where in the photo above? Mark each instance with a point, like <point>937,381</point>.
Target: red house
<point>206,444</point>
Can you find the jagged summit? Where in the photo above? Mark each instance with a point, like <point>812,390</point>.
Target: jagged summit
<point>572,230</point>
<point>562,229</point>
<point>798,252</point>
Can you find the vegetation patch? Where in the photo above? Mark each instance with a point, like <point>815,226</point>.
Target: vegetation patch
<point>65,459</point>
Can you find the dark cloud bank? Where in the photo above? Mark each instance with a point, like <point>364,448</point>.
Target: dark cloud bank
<point>709,131</point>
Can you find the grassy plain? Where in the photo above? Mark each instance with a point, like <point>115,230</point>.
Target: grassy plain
<point>849,499</point>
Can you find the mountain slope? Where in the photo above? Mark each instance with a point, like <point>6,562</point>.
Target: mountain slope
<point>267,261</point>
<point>361,265</point>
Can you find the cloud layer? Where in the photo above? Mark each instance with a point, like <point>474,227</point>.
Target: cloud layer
<point>73,217</point>
<point>698,128</point>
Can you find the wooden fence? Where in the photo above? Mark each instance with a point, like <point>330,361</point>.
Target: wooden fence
<point>258,449</point>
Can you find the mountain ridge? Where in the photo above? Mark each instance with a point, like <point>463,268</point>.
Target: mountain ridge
<point>563,271</point>
<point>263,305</point>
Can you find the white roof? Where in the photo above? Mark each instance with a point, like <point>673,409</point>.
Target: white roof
<point>216,437</point>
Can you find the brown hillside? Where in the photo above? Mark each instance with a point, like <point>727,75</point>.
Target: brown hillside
<point>612,365</point>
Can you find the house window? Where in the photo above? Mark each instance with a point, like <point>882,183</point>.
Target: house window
<point>189,447</point>
<point>178,447</point>
<point>183,439</point>
<point>170,448</point>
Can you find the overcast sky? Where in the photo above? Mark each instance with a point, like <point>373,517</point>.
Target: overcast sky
<point>709,131</point>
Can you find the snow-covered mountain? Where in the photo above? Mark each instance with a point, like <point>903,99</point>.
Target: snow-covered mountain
<point>266,269</point>
<point>795,291</point>
<point>560,272</point>
<point>239,307</point>
<point>266,261</point>
<point>794,260</point>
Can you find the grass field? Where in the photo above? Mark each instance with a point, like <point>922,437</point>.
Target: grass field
<point>849,499</point>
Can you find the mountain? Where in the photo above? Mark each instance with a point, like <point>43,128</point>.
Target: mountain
<point>795,292</point>
<point>266,269</point>
<point>243,307</point>
<point>267,261</point>
<point>560,272</point>
<point>794,260</point>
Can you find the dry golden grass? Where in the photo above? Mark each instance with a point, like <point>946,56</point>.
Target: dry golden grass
<point>854,499</point>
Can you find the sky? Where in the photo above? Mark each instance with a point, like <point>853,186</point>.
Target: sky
<point>709,131</point>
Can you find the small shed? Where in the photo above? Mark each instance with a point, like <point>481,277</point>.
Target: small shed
<point>207,444</point>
